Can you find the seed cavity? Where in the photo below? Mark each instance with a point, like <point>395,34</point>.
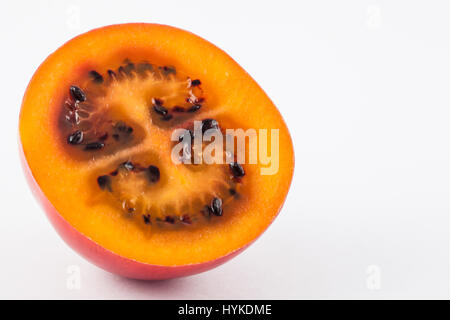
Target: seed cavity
<point>75,138</point>
<point>77,94</point>
<point>131,182</point>
<point>237,170</point>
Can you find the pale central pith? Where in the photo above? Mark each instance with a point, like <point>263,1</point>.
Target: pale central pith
<point>182,189</point>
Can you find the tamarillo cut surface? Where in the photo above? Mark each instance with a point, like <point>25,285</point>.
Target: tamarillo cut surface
<point>97,128</point>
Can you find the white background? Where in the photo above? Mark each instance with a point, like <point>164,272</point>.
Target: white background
<point>364,88</point>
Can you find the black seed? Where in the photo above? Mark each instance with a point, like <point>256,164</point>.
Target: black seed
<point>92,146</point>
<point>153,174</point>
<point>166,70</point>
<point>75,138</point>
<point>178,109</point>
<point>160,109</point>
<point>207,211</point>
<point>194,108</point>
<point>216,206</point>
<point>77,94</point>
<point>121,71</point>
<point>144,67</point>
<point>96,77</point>
<point>114,173</point>
<point>123,128</point>
<point>186,219</point>
<point>120,126</point>
<point>232,191</point>
<point>111,73</point>
<point>128,165</point>
<point>147,219</point>
<point>116,136</point>
<point>237,170</point>
<point>104,182</point>
<point>157,102</point>
<point>195,83</point>
<point>167,117</point>
<point>209,124</point>
<point>169,219</point>
<point>129,68</point>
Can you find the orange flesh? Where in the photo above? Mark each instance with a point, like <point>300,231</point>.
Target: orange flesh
<point>67,176</point>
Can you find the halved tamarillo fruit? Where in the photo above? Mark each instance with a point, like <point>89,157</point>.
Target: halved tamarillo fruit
<point>115,128</point>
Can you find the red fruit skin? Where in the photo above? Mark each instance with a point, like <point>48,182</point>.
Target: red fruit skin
<point>107,259</point>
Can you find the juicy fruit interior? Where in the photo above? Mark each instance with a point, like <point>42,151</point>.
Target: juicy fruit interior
<point>121,121</point>
<point>107,167</point>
